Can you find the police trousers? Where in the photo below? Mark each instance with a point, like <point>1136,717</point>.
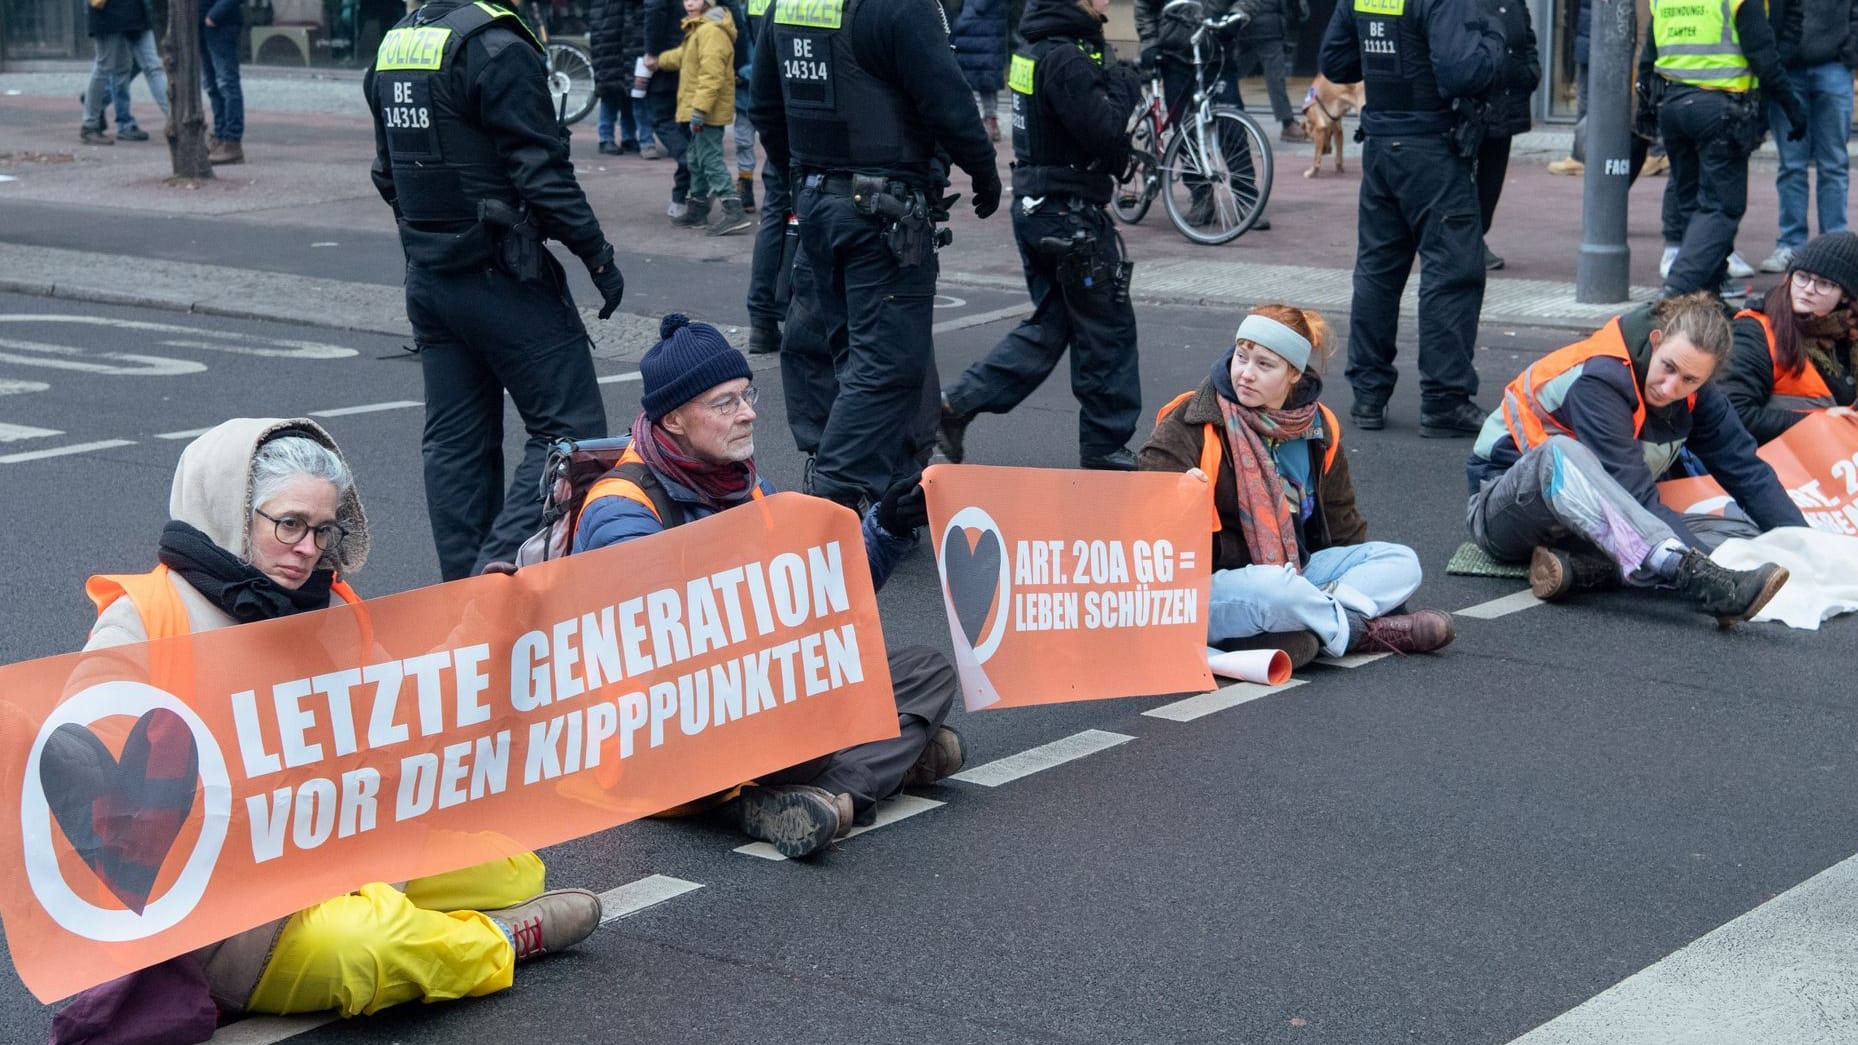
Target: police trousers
<point>1095,322</point>
<point>857,358</point>
<point>1417,199</point>
<point>479,333</point>
<point>1707,193</point>
<point>769,287</point>
<point>379,946</point>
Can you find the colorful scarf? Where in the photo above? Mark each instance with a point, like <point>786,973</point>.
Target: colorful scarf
<point>1264,513</point>
<point>717,486</point>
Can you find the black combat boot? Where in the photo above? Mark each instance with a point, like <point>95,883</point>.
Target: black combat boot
<point>1731,596</point>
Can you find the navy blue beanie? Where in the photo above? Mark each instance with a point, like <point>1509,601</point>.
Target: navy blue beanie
<point>689,360</point>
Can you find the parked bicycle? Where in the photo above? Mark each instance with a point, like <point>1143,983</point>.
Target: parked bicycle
<point>1213,168</point>
<point>570,68</point>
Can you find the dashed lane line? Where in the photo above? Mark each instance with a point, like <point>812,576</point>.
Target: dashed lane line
<point>264,1030</point>
<point>1502,607</point>
<point>191,433</point>
<point>10,433</point>
<point>889,812</point>
<point>61,451</point>
<point>366,408</point>
<point>1201,705</point>
<point>614,379</point>
<point>634,897</point>
<point>980,319</point>
<point>1041,758</point>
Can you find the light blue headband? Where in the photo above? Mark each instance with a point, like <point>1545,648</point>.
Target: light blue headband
<point>1266,332</point>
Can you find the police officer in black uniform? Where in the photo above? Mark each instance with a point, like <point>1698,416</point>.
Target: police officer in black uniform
<point>1417,196</point>
<point>857,98</point>
<point>769,285</point>
<point>1071,106</point>
<point>472,160</point>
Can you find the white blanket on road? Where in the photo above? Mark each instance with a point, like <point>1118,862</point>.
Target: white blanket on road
<point>1822,568</point>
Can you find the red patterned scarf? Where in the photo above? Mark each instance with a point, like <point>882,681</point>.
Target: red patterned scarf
<point>1264,514</point>
<point>717,486</point>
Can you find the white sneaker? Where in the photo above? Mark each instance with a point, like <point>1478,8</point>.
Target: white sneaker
<point>1779,261</point>
<point>1739,268</point>
<point>1664,264</point>
<point>675,210</point>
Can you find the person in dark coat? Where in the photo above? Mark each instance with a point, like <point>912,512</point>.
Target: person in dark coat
<point>1796,351</point>
<point>1261,45</point>
<point>113,27</point>
<point>616,39</point>
<point>1818,42</point>
<point>1507,112</point>
<point>979,38</point>
<point>663,31</point>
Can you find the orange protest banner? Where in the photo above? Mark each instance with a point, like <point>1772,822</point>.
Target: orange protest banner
<point>297,759</point>
<point>1072,585</point>
<point>1816,460</point>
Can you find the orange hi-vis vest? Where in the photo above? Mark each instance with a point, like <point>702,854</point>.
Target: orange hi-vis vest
<point>618,483</point>
<point>1212,450</point>
<point>164,616</point>
<point>1529,419</point>
<point>1805,383</point>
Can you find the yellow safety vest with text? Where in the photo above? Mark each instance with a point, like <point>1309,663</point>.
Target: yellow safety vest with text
<point>1698,44</point>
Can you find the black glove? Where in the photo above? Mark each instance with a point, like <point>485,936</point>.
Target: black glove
<point>607,280</point>
<point>903,508</point>
<point>1796,117</point>
<point>1150,58</point>
<point>987,190</point>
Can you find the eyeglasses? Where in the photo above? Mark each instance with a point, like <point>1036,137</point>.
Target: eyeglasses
<point>732,404</point>
<point>291,529</point>
<point>1816,284</point>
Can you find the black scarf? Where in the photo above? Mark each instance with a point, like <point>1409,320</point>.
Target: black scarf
<point>237,587</point>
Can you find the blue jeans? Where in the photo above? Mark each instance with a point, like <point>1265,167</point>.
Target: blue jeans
<point>149,63</point>
<point>625,112</point>
<point>1371,579</point>
<point>219,72</point>
<point>1827,90</point>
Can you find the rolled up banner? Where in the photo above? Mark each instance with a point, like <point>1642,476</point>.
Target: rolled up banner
<point>1268,667</point>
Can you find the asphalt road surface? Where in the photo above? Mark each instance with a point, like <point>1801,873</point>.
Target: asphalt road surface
<point>1451,848</point>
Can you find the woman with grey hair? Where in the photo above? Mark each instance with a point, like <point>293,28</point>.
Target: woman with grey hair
<point>265,523</point>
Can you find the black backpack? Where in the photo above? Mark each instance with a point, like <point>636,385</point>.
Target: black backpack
<point>573,467</point>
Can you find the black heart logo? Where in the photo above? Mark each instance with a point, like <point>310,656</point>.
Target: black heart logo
<point>973,577</point>
<point>123,817</point>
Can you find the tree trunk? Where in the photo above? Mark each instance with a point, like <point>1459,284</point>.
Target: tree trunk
<point>186,113</point>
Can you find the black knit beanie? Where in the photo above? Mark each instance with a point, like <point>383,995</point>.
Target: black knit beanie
<point>1833,256</point>
<point>689,360</point>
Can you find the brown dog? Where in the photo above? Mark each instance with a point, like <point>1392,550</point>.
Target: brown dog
<point>1323,109</point>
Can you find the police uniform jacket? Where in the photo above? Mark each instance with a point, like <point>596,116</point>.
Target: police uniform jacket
<point>1071,104</point>
<point>1461,53</point>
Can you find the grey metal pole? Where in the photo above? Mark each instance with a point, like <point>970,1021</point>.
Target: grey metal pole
<point>1603,271</point>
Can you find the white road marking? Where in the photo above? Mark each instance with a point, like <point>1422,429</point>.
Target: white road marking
<point>1495,608</point>
<point>14,433</point>
<point>889,812</point>
<point>614,379</point>
<point>191,433</point>
<point>61,451</point>
<point>9,387</point>
<point>1043,757</point>
<point>1351,660</point>
<point>634,897</point>
<point>60,359</point>
<point>980,319</point>
<point>1783,972</point>
<point>1201,705</point>
<point>366,408</point>
<point>264,1030</point>
<point>218,340</point>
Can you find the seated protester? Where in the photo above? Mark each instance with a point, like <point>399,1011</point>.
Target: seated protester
<point>1793,352</point>
<point>1290,549</point>
<point>265,518</point>
<point>693,455</point>
<point>1563,475</point>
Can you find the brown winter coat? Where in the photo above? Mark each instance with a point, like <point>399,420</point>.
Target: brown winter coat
<point>1175,446</point>
<point>705,62</point>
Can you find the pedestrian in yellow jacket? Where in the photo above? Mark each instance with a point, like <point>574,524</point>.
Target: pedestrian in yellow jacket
<point>706,101</point>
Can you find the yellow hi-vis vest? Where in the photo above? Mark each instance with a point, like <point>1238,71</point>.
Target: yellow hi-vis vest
<point>1698,44</point>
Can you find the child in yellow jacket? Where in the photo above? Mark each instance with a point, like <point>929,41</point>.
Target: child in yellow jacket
<point>705,62</point>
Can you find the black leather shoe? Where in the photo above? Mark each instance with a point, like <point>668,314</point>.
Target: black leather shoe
<point>1368,417</point>
<point>1454,422</point>
<point>1117,460</point>
<point>764,338</point>
<point>609,149</point>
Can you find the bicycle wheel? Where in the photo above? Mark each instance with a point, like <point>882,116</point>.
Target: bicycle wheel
<point>1135,190</point>
<point>571,81</point>
<point>1216,176</point>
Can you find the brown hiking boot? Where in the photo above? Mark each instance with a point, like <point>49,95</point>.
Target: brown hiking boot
<point>942,757</point>
<point>796,819</point>
<point>553,921</point>
<point>225,153</point>
<point>1424,631</point>
<point>1555,573</point>
<point>1731,596</point>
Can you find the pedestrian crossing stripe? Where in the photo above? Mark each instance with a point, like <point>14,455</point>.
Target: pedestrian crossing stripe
<point>412,47</point>
<point>814,14</point>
